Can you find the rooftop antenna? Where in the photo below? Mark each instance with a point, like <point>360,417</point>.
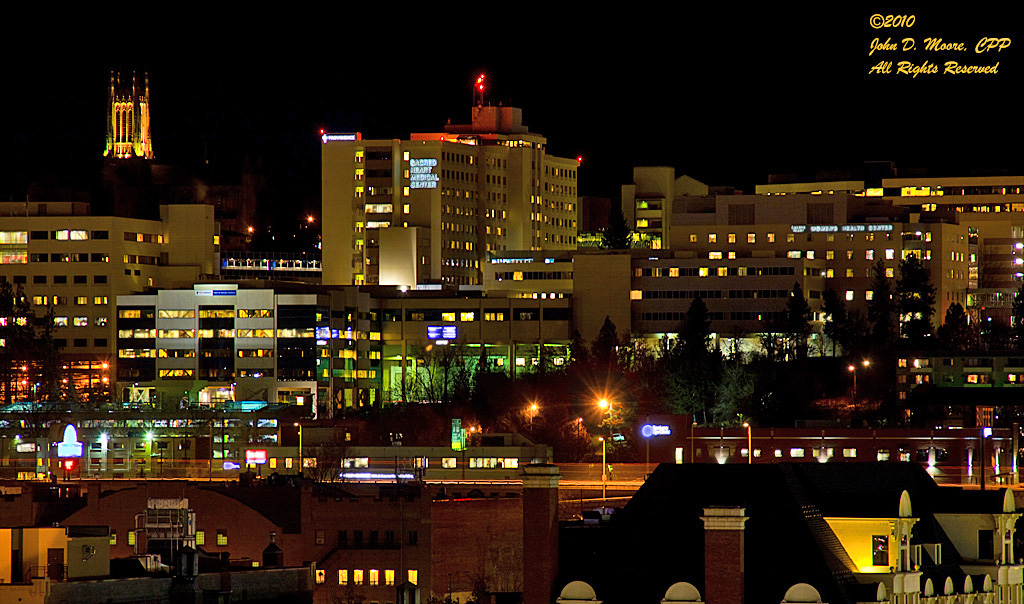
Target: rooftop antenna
<point>478,90</point>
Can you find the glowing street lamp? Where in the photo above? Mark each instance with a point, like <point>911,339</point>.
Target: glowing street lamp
<point>853,369</point>
<point>299,426</point>
<point>750,442</point>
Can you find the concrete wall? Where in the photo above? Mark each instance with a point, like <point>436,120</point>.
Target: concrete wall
<point>962,530</point>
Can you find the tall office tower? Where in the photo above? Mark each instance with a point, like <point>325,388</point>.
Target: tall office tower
<point>429,210</point>
<point>128,132</point>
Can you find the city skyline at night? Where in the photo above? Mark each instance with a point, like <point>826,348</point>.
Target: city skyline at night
<point>726,97</point>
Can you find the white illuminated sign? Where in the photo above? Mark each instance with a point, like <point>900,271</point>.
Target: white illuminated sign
<point>421,173</point>
<point>841,228</point>
<point>339,137</point>
<point>69,446</point>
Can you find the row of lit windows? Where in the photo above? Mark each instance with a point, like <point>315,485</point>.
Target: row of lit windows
<point>63,300</point>
<point>76,257</point>
<point>370,577</point>
<point>736,271</point>
<point>152,353</point>
<point>791,237</point>
<point>143,237</point>
<point>215,333</point>
<point>79,321</point>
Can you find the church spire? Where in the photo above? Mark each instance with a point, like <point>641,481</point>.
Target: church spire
<point>128,128</point>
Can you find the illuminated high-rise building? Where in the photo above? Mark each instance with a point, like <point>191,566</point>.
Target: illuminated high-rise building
<point>429,210</point>
<point>128,129</point>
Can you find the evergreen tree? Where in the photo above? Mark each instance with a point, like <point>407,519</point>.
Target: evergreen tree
<point>836,320</point>
<point>603,349</point>
<point>797,321</point>
<point>916,296</point>
<point>578,352</point>
<point>617,235</point>
<point>1017,320</point>
<point>956,333</point>
<point>881,310</point>
<point>22,345</point>
<point>691,367</point>
<point>695,334</point>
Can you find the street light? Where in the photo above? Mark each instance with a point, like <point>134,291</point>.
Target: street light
<point>692,451</point>
<point>299,426</point>
<point>853,369</point>
<point>750,443</point>
<point>605,407</point>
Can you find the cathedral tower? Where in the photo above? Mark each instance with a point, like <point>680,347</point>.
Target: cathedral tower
<point>128,133</point>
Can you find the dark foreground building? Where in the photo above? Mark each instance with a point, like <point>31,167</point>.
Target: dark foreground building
<point>865,532</point>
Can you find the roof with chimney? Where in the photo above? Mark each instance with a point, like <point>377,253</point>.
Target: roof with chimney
<point>658,538</point>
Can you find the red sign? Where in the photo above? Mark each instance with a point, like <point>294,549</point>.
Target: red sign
<point>255,456</point>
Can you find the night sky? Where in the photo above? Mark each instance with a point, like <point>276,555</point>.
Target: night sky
<point>726,95</point>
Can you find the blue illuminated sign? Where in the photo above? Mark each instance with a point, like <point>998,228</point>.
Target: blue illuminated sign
<point>441,332</point>
<point>650,430</point>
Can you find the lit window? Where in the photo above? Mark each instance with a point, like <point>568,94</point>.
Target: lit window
<point>869,254</point>
<point>771,237</point>
<point>413,576</point>
<point>883,455</point>
<point>723,271</point>
<point>636,294</point>
<point>131,537</point>
<point>113,538</point>
<point>890,254</point>
<point>810,254</point>
<point>849,452</point>
<point>869,295</point>
<point>703,271</point>
<point>343,576</point>
<point>712,238</point>
<point>880,550</point>
<point>222,537</point>
<point>389,576</point>
<point>200,537</point>
<point>796,452</point>
<point>321,576</point>
<point>693,238</point>
<point>794,254</point>
<point>778,453</point>
<point>714,255</point>
<point>830,255</point>
<point>357,576</point>
<point>732,255</point>
<point>849,273</point>
<point>849,295</point>
<point>751,238</point>
<point>732,237</point>
<point>374,576</point>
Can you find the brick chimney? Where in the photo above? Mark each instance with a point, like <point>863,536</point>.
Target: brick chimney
<point>723,554</point>
<point>540,532</point>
